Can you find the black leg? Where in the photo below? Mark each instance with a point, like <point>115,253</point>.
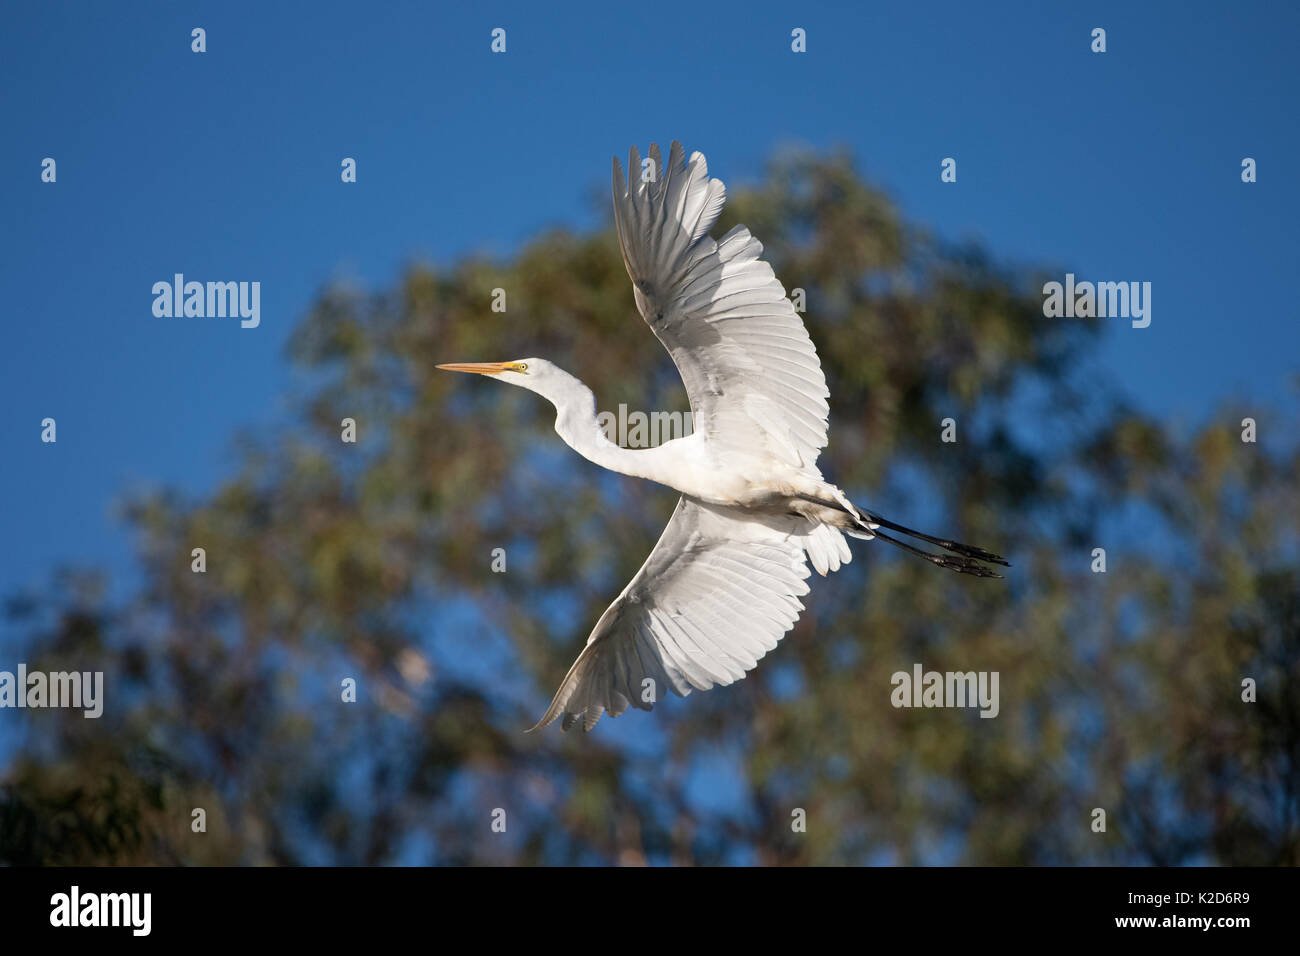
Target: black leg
<point>955,547</point>
<point>959,564</point>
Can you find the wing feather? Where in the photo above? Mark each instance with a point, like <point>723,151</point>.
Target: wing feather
<point>720,311</point>
<point>719,590</point>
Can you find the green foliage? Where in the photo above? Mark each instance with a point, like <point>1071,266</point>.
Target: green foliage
<point>329,560</point>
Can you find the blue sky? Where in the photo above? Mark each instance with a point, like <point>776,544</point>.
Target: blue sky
<point>225,166</point>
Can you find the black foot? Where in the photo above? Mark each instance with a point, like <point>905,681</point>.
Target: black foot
<point>956,547</point>
<point>962,565</point>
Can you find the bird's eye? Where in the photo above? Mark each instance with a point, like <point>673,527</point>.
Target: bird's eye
<point>523,366</point>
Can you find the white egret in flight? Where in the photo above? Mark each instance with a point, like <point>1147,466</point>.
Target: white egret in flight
<point>722,586</point>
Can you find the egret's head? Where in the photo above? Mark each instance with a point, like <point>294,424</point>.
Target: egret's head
<point>511,372</point>
<point>536,375</point>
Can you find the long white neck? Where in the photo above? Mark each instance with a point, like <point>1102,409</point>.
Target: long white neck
<point>576,423</point>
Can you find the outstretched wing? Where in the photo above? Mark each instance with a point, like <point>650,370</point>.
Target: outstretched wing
<point>749,367</point>
<point>718,591</point>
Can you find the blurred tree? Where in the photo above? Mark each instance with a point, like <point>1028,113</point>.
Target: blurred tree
<point>371,561</point>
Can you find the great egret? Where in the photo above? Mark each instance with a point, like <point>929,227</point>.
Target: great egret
<point>722,586</point>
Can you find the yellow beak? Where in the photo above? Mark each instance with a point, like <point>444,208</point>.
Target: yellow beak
<point>479,368</point>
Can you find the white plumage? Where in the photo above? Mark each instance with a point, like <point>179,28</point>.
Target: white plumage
<point>749,367</point>
<point>722,585</point>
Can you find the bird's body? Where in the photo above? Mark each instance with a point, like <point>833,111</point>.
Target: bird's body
<point>696,466</point>
<point>722,586</point>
